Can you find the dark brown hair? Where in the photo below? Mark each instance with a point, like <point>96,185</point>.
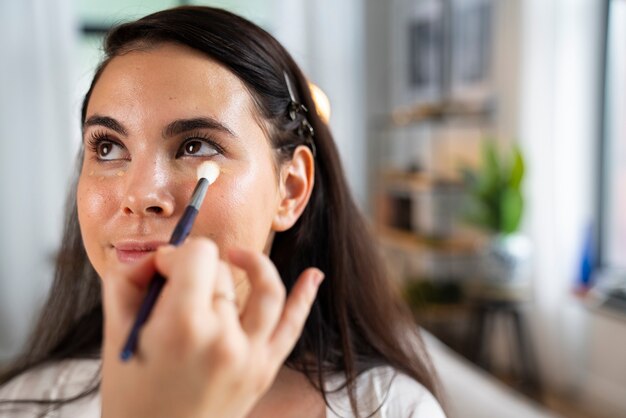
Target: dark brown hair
<point>358,320</point>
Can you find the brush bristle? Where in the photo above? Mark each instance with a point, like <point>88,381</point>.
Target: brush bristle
<point>209,170</point>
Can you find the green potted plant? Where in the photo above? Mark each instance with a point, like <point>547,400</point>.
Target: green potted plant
<point>496,204</point>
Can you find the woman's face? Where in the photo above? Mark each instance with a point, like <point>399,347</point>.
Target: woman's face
<point>153,117</point>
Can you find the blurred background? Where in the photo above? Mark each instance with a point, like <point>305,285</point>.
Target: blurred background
<point>484,139</point>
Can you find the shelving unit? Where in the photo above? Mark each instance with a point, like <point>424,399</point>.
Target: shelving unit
<point>452,81</point>
<point>441,87</point>
<point>429,133</point>
<point>418,207</point>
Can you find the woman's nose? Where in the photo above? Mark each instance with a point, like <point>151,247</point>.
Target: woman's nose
<point>148,191</point>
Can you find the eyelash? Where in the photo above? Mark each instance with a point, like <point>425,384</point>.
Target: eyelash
<point>98,137</point>
<point>203,137</point>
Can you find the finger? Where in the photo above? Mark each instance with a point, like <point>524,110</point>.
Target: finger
<point>296,312</point>
<point>225,298</point>
<point>190,270</point>
<point>122,291</point>
<point>267,294</point>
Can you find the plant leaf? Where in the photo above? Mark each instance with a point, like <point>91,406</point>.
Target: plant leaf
<point>518,168</point>
<point>511,206</point>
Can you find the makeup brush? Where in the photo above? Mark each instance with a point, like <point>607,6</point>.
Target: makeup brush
<point>207,174</point>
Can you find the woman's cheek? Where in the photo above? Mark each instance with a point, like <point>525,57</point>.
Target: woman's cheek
<point>256,193</point>
<point>218,212</point>
<point>96,196</point>
<point>225,215</point>
<point>96,201</point>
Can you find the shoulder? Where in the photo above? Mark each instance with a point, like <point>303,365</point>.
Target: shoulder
<point>386,393</point>
<point>53,381</point>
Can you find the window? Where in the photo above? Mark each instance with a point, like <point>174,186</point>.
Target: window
<point>612,253</point>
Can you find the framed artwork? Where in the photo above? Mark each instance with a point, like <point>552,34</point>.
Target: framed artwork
<point>471,27</point>
<point>418,52</point>
<point>441,51</point>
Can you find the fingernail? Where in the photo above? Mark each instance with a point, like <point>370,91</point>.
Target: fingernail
<point>319,276</point>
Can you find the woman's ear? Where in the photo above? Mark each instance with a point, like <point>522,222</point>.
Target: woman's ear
<point>296,184</point>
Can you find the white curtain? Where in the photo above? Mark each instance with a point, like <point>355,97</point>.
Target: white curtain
<point>559,132</point>
<point>37,130</point>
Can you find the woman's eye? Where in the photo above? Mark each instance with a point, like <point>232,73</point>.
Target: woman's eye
<point>198,148</point>
<point>109,151</point>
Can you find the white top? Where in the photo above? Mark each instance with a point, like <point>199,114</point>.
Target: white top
<point>386,393</point>
<point>400,395</point>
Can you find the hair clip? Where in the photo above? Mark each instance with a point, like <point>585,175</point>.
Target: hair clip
<point>295,107</point>
<point>305,129</point>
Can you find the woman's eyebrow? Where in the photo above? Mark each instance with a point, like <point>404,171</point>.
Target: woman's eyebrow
<point>180,126</point>
<point>107,122</point>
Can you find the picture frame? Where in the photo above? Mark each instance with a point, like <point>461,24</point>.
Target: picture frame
<point>442,52</point>
<point>418,52</point>
<point>471,51</point>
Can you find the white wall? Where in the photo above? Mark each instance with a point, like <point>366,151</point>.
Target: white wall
<point>36,45</point>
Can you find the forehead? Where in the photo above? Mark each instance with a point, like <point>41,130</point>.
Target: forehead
<point>170,81</point>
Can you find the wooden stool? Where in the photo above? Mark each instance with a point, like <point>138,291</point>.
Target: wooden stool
<point>486,308</point>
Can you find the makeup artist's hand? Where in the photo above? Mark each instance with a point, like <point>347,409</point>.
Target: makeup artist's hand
<point>197,356</point>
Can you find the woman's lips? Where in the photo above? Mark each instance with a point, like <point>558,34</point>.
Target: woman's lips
<point>130,252</point>
<point>130,256</point>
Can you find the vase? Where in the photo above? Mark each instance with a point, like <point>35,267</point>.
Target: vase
<point>506,259</point>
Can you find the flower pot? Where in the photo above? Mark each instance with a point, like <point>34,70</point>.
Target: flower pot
<point>507,259</point>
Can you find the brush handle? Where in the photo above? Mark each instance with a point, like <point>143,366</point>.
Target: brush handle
<point>154,290</point>
<point>183,227</point>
